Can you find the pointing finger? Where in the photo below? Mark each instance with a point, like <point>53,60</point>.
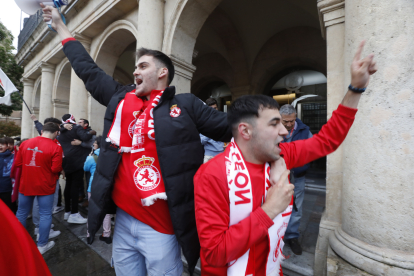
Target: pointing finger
<point>359,51</point>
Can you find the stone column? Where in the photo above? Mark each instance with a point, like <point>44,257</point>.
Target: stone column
<point>78,98</point>
<point>150,24</point>
<point>376,234</point>
<point>46,90</point>
<point>332,19</point>
<point>183,74</point>
<point>27,123</point>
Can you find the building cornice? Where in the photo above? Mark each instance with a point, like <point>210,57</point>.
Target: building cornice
<point>60,103</point>
<point>330,12</point>
<point>182,68</point>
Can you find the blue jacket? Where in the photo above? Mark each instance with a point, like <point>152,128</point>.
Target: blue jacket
<point>6,162</point>
<point>211,147</point>
<point>301,132</point>
<point>90,166</point>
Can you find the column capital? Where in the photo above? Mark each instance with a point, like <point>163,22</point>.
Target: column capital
<point>182,68</point>
<point>27,82</point>
<point>84,40</point>
<point>46,67</point>
<point>331,12</point>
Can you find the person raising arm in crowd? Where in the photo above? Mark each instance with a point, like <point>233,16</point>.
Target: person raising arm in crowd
<point>242,206</point>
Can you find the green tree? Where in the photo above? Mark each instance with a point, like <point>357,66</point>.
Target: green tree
<point>9,129</point>
<point>11,69</point>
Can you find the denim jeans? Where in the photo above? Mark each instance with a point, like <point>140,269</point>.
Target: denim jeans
<point>292,230</point>
<point>138,249</point>
<point>35,210</point>
<point>45,211</point>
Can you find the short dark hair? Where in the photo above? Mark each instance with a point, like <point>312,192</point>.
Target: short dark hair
<point>247,107</point>
<point>52,120</point>
<point>85,121</point>
<point>161,58</point>
<point>3,141</point>
<point>98,140</point>
<point>50,127</point>
<point>9,140</point>
<point>211,101</point>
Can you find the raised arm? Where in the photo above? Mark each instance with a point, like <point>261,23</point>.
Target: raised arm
<point>101,86</point>
<point>38,125</point>
<point>333,133</point>
<point>83,134</point>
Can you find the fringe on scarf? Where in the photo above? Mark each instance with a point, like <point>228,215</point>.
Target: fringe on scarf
<point>122,149</point>
<point>148,201</point>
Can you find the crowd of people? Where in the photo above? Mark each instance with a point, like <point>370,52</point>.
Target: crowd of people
<point>233,212</point>
<point>30,184</point>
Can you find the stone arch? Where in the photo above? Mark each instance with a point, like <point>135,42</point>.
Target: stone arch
<point>115,26</point>
<point>117,36</point>
<point>61,89</point>
<point>35,104</point>
<point>184,25</point>
<point>36,90</point>
<point>308,51</point>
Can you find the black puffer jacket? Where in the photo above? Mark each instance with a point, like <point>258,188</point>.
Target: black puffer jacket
<point>75,156</point>
<point>178,146</point>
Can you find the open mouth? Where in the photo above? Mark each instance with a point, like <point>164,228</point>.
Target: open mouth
<point>139,81</point>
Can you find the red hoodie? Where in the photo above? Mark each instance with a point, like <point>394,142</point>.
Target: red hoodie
<point>221,244</point>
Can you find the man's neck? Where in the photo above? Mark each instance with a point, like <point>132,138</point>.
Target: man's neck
<point>248,152</point>
<point>160,87</point>
<point>48,135</point>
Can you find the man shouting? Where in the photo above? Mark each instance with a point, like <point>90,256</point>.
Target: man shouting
<point>147,162</point>
<point>241,218</point>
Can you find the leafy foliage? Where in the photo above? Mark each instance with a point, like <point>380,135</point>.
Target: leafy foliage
<point>9,129</point>
<point>11,69</point>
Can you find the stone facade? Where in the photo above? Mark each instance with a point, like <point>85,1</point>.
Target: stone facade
<point>247,46</point>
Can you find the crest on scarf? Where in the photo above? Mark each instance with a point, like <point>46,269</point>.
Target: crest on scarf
<point>175,111</point>
<point>131,126</point>
<point>146,177</point>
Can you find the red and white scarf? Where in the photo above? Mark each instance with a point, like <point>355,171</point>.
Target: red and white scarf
<point>133,131</point>
<point>241,206</point>
<point>70,120</point>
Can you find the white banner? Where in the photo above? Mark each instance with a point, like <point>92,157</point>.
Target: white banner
<point>8,87</point>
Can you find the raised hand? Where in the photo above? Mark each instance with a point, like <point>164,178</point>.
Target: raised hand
<point>68,126</point>
<point>278,196</point>
<point>33,117</point>
<point>361,69</point>
<point>51,13</point>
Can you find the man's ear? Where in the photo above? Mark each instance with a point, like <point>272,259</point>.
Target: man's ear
<point>41,131</point>
<point>163,72</point>
<point>245,130</point>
